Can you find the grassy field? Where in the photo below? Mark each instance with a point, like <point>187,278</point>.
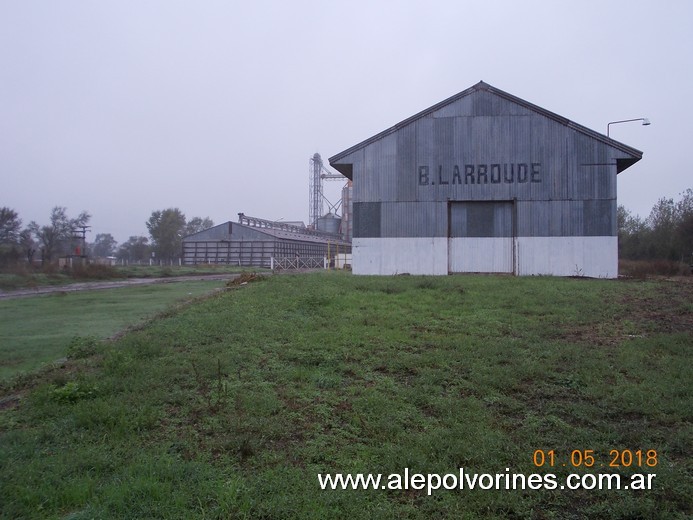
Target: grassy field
<point>39,330</point>
<point>231,407</point>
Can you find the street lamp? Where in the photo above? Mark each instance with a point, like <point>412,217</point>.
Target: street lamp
<point>645,122</point>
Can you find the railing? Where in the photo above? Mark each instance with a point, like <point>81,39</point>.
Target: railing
<point>299,262</point>
<point>271,224</point>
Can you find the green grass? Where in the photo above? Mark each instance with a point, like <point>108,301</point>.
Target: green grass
<point>39,330</point>
<point>12,281</point>
<point>229,408</point>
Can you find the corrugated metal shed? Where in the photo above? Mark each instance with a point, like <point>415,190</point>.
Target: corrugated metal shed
<point>238,244</point>
<point>554,178</point>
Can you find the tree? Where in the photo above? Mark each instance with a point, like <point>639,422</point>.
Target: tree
<point>661,223</point>
<point>104,245</point>
<point>684,225</point>
<point>56,237</point>
<point>666,234</point>
<point>26,242</point>
<point>631,235</point>
<point>166,230</point>
<point>136,249</point>
<point>197,224</point>
<point>10,225</point>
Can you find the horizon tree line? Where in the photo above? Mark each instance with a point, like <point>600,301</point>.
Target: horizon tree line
<point>58,238</point>
<point>666,234</point>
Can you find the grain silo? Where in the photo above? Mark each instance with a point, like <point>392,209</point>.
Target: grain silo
<point>485,182</point>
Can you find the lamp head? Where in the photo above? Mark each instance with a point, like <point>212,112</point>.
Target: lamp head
<point>646,122</point>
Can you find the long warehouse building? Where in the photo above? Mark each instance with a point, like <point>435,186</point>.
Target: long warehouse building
<point>256,242</point>
<point>485,182</point>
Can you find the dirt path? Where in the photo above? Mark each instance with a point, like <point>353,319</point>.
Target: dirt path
<point>93,286</point>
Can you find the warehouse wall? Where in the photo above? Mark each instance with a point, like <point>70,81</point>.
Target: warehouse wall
<point>236,244</point>
<point>556,256</point>
<point>554,180</point>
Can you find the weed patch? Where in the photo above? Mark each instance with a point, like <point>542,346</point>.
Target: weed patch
<point>244,279</point>
<point>82,347</point>
<point>75,391</point>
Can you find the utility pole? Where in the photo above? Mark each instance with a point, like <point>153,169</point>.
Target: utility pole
<point>80,233</point>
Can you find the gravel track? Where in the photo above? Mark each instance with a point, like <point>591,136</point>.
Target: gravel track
<point>95,286</point>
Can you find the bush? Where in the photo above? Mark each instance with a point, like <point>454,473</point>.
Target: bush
<point>82,347</point>
<point>645,268</point>
<point>74,391</point>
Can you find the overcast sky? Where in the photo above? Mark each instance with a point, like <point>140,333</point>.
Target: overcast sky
<point>122,107</point>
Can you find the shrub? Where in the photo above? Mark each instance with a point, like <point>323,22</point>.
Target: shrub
<point>645,268</point>
<point>82,347</point>
<point>74,391</point>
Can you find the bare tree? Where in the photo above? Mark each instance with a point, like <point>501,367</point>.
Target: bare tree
<point>56,236</point>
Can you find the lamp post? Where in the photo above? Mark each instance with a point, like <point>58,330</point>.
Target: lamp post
<point>645,122</point>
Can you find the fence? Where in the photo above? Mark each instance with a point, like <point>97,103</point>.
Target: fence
<point>299,262</point>
<point>340,261</point>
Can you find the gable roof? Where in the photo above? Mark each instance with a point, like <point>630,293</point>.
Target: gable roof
<point>225,232</point>
<point>622,164</point>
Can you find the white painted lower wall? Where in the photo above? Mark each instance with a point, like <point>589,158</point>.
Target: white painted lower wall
<point>481,255</point>
<point>387,256</point>
<point>595,257</point>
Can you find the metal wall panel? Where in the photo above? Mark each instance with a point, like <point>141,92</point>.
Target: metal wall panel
<point>406,156</point>
<point>486,147</point>
<point>481,219</point>
<point>568,256</point>
<point>388,256</point>
<point>599,218</point>
<point>413,219</point>
<point>566,218</point>
<point>254,252</point>
<point>480,255</point>
<point>367,219</point>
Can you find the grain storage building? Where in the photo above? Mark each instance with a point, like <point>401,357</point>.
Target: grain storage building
<point>485,182</point>
<point>260,243</point>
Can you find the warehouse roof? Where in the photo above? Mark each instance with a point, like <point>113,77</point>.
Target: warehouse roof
<point>622,164</point>
<point>234,231</point>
